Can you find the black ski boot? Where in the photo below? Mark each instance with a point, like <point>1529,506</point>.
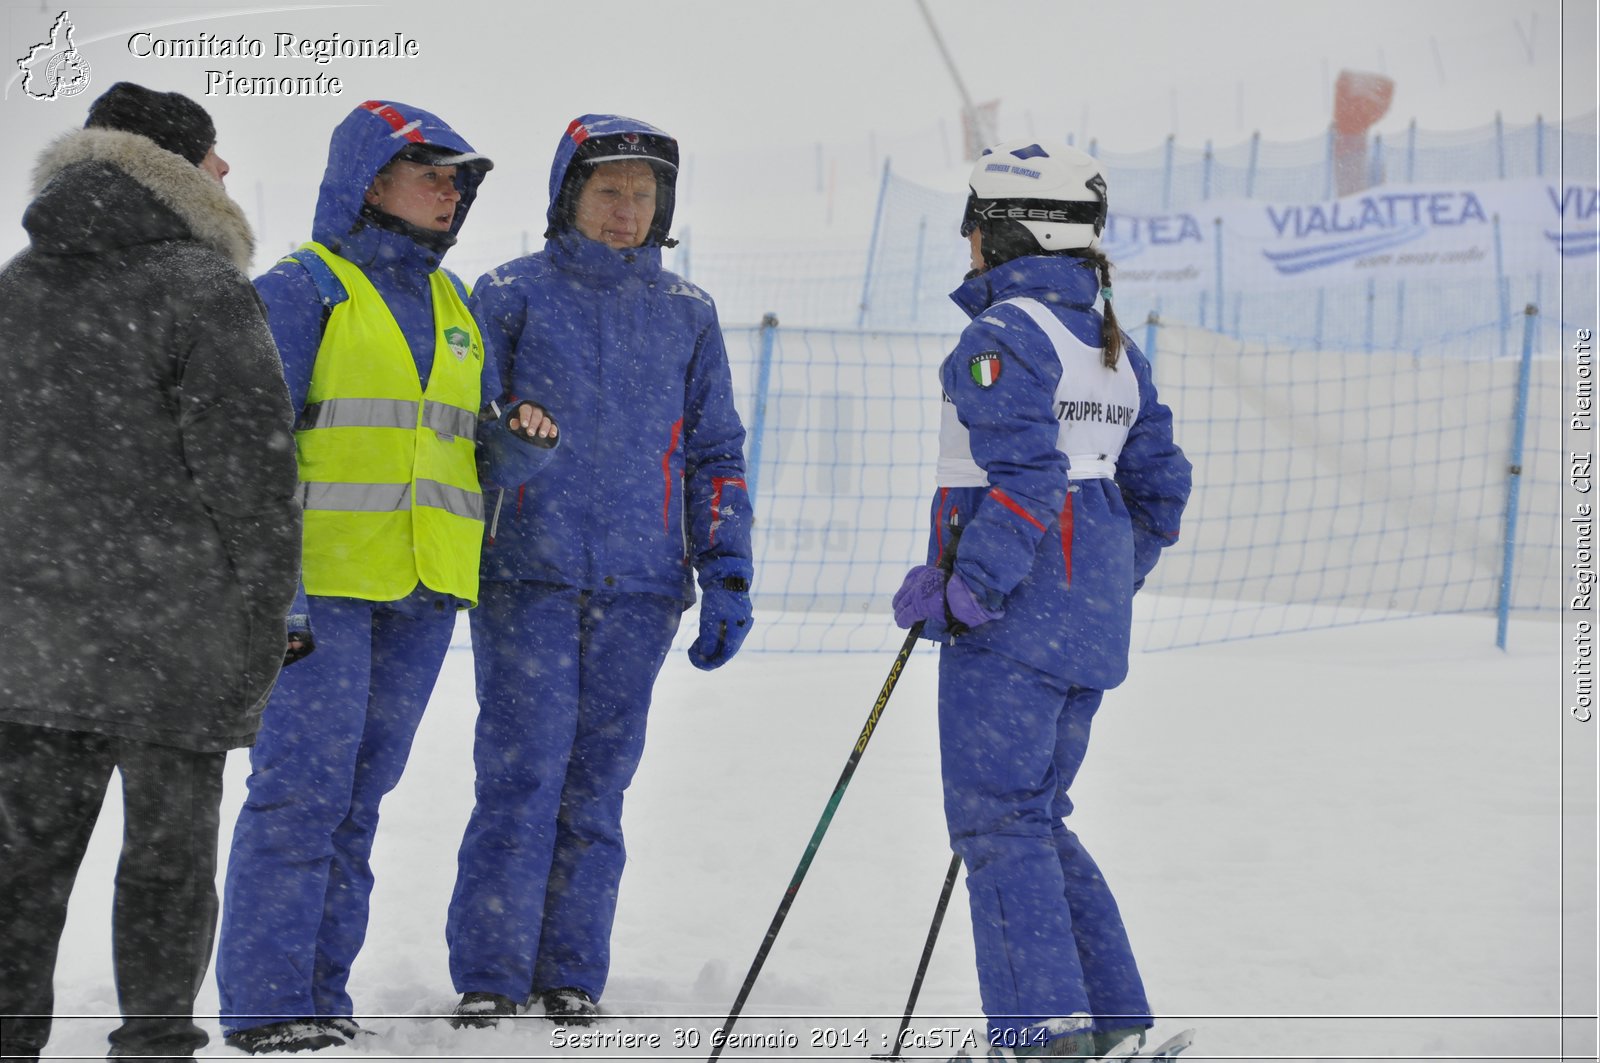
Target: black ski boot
<point>291,1035</point>
<point>568,1007</point>
<point>479,1010</point>
<point>345,1027</point>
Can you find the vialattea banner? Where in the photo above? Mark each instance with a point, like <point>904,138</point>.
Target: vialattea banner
<point>1436,233</point>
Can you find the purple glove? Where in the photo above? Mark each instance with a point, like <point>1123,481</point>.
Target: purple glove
<point>926,593</point>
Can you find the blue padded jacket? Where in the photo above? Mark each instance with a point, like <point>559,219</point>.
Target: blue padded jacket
<point>1060,542</point>
<point>648,486</point>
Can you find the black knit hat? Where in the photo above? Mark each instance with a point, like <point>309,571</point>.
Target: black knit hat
<point>171,119</point>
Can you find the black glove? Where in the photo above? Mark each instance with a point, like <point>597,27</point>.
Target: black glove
<point>300,641</point>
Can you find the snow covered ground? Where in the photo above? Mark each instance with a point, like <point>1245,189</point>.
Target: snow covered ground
<point>1312,836</point>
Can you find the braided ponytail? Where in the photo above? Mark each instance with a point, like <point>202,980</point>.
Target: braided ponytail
<point>1110,333</point>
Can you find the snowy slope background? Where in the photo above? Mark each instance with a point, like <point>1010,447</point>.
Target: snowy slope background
<point>1313,837</point>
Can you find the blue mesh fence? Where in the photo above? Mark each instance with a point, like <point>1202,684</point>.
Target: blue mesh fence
<point>1332,486</point>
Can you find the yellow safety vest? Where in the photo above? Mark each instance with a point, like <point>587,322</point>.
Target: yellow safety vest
<point>388,472</point>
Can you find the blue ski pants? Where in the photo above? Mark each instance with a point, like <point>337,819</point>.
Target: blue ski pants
<point>334,740</point>
<point>1049,938</point>
<point>564,683</point>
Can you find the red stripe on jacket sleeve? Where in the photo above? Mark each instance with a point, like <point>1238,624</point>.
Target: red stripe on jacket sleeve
<point>1014,506</point>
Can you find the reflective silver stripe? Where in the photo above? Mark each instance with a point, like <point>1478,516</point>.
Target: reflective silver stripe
<point>389,498</point>
<point>462,503</point>
<point>451,420</point>
<point>356,498</point>
<point>358,413</point>
<point>386,413</point>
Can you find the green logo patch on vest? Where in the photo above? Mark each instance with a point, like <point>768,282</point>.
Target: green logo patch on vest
<point>985,368</point>
<point>460,342</point>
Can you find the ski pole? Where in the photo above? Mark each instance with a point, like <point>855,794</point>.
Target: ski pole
<point>947,560</point>
<point>927,955</point>
<point>816,838</point>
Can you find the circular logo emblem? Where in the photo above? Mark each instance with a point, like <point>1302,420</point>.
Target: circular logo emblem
<point>67,74</point>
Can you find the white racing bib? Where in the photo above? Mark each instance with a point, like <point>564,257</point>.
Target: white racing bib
<point>1094,407</point>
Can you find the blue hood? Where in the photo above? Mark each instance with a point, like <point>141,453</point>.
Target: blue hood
<point>363,144</point>
<point>631,137</point>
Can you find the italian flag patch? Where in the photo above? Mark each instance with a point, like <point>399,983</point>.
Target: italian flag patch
<point>985,368</point>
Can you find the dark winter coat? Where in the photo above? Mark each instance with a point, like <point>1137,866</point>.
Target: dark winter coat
<point>149,534</point>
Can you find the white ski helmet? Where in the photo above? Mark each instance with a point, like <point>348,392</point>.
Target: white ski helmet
<point>1028,199</point>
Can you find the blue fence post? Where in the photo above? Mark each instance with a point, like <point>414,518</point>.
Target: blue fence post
<point>1538,289</point>
<point>1514,477</point>
<point>1166,176</point>
<point>1503,288</point>
<point>1411,152</point>
<point>1500,143</point>
<point>1250,174</point>
<point>1152,321</point>
<point>916,272</point>
<point>1205,175</point>
<point>1400,314</point>
<point>758,426</point>
<point>1217,227</point>
<point>1372,304</point>
<point>1316,334</point>
<point>1327,167</point>
<point>872,248</point>
<point>681,263</point>
<point>1094,147</point>
<point>1377,165</point>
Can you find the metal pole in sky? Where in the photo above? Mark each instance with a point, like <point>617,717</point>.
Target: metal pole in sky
<point>950,64</point>
<point>974,127</point>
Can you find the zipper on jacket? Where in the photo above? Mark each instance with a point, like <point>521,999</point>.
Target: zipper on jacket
<point>942,520</point>
<point>494,525</point>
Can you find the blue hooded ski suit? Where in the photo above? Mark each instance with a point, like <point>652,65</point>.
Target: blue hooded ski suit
<point>1059,540</point>
<point>586,571</point>
<point>337,731</point>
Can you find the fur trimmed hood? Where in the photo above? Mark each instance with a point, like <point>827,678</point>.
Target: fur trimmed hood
<point>198,200</point>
